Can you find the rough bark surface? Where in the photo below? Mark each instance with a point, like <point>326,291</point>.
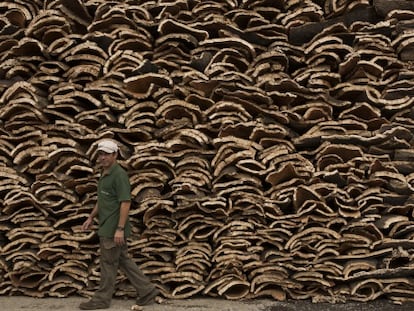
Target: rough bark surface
<point>269,145</point>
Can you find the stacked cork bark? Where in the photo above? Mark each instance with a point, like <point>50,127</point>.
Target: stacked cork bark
<point>269,145</point>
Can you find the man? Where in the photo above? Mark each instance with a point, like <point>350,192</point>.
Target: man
<point>112,209</point>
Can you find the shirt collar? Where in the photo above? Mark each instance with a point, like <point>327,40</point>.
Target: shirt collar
<point>111,169</point>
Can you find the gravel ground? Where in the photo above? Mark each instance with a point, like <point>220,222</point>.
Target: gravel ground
<point>202,304</point>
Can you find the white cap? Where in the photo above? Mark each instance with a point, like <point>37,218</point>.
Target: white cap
<point>107,146</point>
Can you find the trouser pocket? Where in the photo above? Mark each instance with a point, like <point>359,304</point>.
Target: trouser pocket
<point>110,252</point>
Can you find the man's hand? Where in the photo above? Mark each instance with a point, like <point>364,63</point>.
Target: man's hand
<point>87,224</point>
<point>119,238</point>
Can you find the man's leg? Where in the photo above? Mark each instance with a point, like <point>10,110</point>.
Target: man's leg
<point>142,284</point>
<point>109,262</point>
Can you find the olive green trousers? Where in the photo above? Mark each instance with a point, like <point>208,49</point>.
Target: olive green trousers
<point>113,257</point>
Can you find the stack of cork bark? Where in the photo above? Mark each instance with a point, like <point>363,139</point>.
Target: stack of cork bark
<point>269,145</point>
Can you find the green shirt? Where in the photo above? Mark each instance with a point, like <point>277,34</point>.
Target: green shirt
<point>113,188</point>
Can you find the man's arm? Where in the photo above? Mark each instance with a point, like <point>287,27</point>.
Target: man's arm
<point>119,237</point>
<point>88,222</point>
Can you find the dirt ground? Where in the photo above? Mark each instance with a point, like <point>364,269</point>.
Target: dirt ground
<point>201,304</point>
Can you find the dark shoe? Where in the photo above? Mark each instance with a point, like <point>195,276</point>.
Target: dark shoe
<point>93,305</point>
<point>149,298</point>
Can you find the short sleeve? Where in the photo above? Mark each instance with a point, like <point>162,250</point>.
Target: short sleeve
<point>123,187</point>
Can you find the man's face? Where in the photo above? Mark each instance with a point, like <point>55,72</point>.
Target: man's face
<point>106,160</point>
